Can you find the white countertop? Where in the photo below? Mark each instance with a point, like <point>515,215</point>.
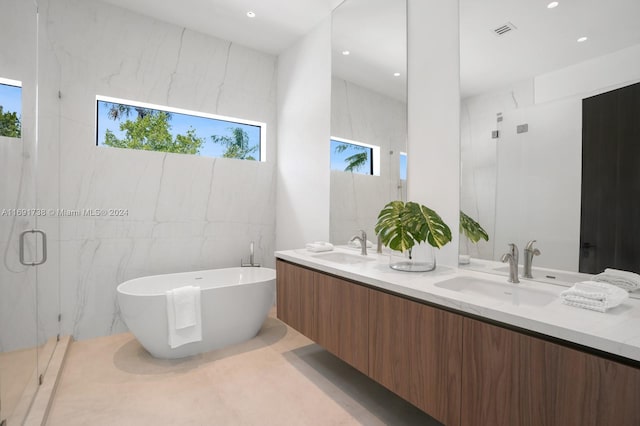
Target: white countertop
<point>617,331</point>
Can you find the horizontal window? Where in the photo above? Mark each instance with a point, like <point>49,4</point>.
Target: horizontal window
<point>355,157</point>
<point>10,108</point>
<point>136,125</point>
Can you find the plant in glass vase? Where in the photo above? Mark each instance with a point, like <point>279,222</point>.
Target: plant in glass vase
<point>405,226</point>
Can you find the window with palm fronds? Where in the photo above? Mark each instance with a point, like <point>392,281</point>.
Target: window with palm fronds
<point>137,125</point>
<point>350,156</point>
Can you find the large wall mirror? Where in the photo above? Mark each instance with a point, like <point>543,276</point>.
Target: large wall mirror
<point>368,113</point>
<point>526,68</point>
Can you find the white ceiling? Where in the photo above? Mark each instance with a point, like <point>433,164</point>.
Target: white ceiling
<point>375,34</point>
<point>545,39</point>
<point>277,25</point>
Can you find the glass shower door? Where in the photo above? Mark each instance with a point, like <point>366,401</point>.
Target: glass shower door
<point>48,187</point>
<point>29,278</point>
<point>18,162</point>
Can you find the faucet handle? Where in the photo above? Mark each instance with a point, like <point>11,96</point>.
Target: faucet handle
<point>530,248</point>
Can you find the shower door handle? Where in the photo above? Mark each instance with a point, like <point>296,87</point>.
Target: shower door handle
<point>44,247</point>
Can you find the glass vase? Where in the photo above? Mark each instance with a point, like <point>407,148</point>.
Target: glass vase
<point>421,258</point>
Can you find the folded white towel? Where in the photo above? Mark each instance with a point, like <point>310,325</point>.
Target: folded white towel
<point>629,281</point>
<point>597,296</point>
<point>319,246</point>
<point>184,316</point>
<point>356,244</point>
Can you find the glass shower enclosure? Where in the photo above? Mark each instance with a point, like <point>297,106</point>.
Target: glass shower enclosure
<point>29,199</point>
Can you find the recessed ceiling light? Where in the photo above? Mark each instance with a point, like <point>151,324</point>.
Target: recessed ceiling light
<point>552,5</point>
<point>251,14</point>
<point>396,74</point>
<point>346,52</point>
<point>581,39</point>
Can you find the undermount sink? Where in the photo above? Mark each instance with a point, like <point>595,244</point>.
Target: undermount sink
<point>512,293</point>
<point>342,258</point>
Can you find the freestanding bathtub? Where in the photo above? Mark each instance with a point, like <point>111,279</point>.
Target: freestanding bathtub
<point>234,305</point>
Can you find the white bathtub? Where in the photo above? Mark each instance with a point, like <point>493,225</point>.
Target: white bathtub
<point>234,305</point>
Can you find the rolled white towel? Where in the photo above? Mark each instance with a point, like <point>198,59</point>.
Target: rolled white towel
<point>597,296</point>
<point>319,246</point>
<point>629,281</point>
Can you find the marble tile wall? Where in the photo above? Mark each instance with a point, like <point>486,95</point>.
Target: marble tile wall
<point>362,115</point>
<point>183,212</point>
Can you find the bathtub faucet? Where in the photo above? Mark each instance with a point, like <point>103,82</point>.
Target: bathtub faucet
<point>251,263</point>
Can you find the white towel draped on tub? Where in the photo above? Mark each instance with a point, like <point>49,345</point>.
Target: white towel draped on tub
<point>594,295</point>
<point>183,312</point>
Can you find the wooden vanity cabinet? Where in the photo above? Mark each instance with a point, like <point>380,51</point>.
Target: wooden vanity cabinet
<point>416,351</point>
<point>342,318</point>
<point>509,378</point>
<point>490,375</point>
<point>294,298</point>
<point>460,370</point>
<point>410,348</point>
<point>328,310</point>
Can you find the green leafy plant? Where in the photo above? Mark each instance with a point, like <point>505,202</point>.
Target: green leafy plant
<point>10,125</point>
<point>237,146</point>
<point>472,229</point>
<point>402,225</point>
<point>150,131</point>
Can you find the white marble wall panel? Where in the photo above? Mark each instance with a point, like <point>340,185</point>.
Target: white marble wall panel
<point>362,115</point>
<point>184,212</point>
<point>356,200</point>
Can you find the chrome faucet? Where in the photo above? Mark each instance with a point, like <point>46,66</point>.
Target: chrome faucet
<point>363,242</point>
<point>251,262</point>
<point>529,252</point>
<point>512,258</point>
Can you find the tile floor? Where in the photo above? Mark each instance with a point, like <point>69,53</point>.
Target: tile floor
<point>278,378</point>
<point>19,382</point>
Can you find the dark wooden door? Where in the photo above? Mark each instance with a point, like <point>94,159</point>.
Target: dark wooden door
<point>610,211</point>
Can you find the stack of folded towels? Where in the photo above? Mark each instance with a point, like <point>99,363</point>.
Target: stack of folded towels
<point>319,246</point>
<point>629,281</point>
<point>594,295</point>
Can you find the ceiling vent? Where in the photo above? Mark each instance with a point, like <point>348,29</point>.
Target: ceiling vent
<point>504,29</point>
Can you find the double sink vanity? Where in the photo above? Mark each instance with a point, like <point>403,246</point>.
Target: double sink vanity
<point>468,348</point>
